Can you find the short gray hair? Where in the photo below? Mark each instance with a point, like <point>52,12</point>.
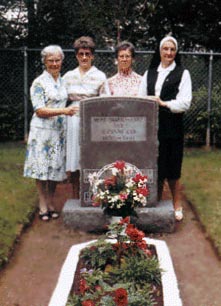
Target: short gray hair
<point>51,49</point>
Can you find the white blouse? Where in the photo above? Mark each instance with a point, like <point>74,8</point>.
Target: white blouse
<point>184,96</point>
<point>87,85</point>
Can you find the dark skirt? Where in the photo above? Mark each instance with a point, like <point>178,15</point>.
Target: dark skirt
<point>170,158</point>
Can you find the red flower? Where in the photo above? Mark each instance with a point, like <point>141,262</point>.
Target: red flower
<point>123,196</point>
<point>122,245</point>
<point>96,204</point>
<point>134,233</point>
<point>119,164</point>
<point>125,220</point>
<point>139,177</point>
<point>142,191</point>
<point>121,297</point>
<point>83,286</point>
<point>142,245</point>
<point>88,303</point>
<point>116,245</point>
<point>148,252</point>
<point>98,288</point>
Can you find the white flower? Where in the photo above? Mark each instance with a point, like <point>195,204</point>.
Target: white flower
<point>92,177</point>
<point>136,198</point>
<point>128,170</point>
<point>129,184</point>
<point>115,171</point>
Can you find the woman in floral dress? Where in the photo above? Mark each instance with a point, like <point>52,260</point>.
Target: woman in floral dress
<point>126,82</point>
<point>45,155</point>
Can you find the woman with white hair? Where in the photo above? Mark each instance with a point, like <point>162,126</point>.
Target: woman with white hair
<point>45,155</point>
<point>169,84</point>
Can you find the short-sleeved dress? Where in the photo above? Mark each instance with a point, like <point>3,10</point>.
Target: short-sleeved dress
<point>122,85</point>
<point>46,147</point>
<point>87,85</point>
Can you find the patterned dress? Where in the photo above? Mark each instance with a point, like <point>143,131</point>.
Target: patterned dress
<point>45,154</point>
<point>122,85</point>
<point>87,86</point>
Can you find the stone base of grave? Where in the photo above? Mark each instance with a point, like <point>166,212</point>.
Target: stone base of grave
<point>159,219</point>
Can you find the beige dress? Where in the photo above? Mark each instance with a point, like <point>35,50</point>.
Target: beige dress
<point>87,85</point>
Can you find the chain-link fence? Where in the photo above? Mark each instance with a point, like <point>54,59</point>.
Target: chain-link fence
<point>19,67</point>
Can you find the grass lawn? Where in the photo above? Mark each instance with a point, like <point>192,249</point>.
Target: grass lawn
<point>201,177</point>
<point>17,196</point>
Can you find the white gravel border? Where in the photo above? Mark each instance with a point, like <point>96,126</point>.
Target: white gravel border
<point>169,282</point>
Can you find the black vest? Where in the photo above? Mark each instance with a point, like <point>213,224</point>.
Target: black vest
<point>170,124</point>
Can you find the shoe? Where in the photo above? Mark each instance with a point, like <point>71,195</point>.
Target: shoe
<point>54,214</point>
<point>44,216</point>
<point>179,214</point>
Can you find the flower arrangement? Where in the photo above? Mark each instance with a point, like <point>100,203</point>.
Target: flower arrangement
<point>120,191</point>
<point>124,272</point>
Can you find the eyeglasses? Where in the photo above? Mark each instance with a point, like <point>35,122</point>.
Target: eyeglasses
<point>124,56</point>
<point>51,61</point>
<point>86,54</point>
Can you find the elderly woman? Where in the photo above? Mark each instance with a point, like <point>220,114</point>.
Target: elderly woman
<point>171,85</point>
<point>81,83</point>
<point>45,156</point>
<point>126,82</point>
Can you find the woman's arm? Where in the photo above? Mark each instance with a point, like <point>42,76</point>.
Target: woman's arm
<point>104,89</point>
<point>46,112</point>
<point>183,98</point>
<point>39,99</point>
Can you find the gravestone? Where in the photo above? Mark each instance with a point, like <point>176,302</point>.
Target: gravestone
<point>118,128</point>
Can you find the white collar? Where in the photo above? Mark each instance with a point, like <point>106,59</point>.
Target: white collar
<point>48,75</point>
<point>91,70</point>
<point>169,68</point>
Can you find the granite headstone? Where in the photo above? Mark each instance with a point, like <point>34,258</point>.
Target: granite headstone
<point>118,128</point>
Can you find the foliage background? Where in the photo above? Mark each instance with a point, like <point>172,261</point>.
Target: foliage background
<point>196,23</point>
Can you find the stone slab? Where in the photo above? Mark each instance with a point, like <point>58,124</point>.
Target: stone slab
<point>118,128</point>
<point>158,219</point>
<point>171,294</point>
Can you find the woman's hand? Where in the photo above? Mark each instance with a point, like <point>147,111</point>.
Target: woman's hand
<point>71,110</point>
<point>46,112</point>
<point>75,97</point>
<point>159,101</point>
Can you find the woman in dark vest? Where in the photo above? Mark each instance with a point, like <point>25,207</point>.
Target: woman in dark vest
<point>171,86</point>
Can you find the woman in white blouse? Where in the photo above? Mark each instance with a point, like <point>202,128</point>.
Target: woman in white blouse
<point>169,84</point>
<point>81,83</point>
<point>45,155</point>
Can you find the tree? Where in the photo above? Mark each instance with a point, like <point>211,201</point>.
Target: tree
<point>195,23</point>
<point>13,21</point>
